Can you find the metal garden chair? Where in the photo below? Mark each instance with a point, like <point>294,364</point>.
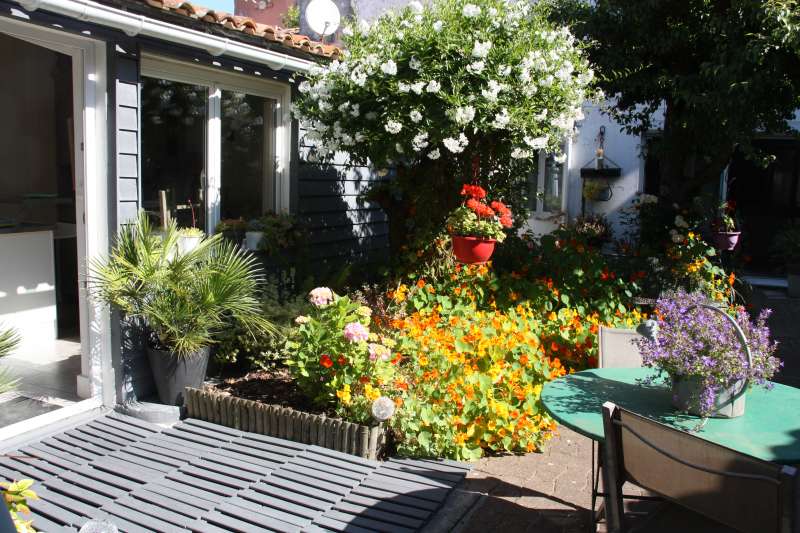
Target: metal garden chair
<point>717,483</point>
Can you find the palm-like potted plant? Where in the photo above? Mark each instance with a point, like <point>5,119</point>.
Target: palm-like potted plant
<point>786,248</point>
<point>184,300</point>
<point>476,226</point>
<point>9,340</point>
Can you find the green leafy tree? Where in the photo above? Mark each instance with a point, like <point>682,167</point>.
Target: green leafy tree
<point>447,93</point>
<point>715,68</point>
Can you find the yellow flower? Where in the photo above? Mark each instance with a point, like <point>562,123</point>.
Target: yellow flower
<point>372,393</point>
<point>344,394</point>
<point>423,360</point>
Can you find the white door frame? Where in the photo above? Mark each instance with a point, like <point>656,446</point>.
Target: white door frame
<point>96,381</point>
<point>217,80</point>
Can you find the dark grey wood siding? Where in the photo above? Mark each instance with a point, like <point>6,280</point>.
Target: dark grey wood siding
<point>133,376</point>
<point>345,228</point>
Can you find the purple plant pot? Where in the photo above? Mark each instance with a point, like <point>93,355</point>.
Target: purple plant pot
<point>726,240</point>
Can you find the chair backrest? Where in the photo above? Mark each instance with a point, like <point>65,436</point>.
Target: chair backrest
<point>617,349</point>
<point>738,490</point>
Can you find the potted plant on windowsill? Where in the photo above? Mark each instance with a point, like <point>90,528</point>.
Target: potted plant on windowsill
<point>254,234</point>
<point>476,226</point>
<point>786,248</point>
<point>726,235</point>
<point>189,239</point>
<point>184,300</point>
<point>232,229</point>
<point>709,357</point>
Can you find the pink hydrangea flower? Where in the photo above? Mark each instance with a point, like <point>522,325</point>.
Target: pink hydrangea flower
<point>321,296</point>
<point>378,350</point>
<point>356,332</point>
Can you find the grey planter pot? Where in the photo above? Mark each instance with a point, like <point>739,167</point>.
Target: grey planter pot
<point>173,374</point>
<point>729,402</point>
<point>283,422</point>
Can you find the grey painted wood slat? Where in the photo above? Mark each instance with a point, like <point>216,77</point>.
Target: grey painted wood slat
<point>226,470</point>
<point>131,421</point>
<point>303,489</point>
<point>136,473</point>
<point>42,523</point>
<point>176,444</point>
<point>98,481</point>
<point>71,446</point>
<point>74,505</point>
<point>165,505</point>
<point>388,506</point>
<point>135,432</point>
<point>26,469</point>
<point>200,526</point>
<point>291,496</point>
<point>139,521</point>
<point>125,436</point>
<point>345,457</point>
<point>229,461</point>
<point>193,496</point>
<point>102,437</point>
<point>155,511</point>
<point>367,523</point>
<point>163,450</point>
<point>415,478</point>
<point>78,492</point>
<point>210,428</point>
<point>404,487</point>
<point>9,474</point>
<point>56,513</point>
<point>286,447</point>
<point>324,466</point>
<point>335,479</point>
<point>446,467</point>
<point>309,481</point>
<point>213,436</point>
<point>51,455</point>
<point>280,504</point>
<point>403,499</point>
<point>214,477</point>
<point>207,486</point>
<point>235,525</point>
<point>101,444</point>
<point>133,456</point>
<point>124,526</point>
<point>357,468</point>
<point>233,504</point>
<point>242,451</point>
<point>34,462</point>
<point>380,515</point>
<point>331,524</point>
<point>193,437</point>
<point>181,502</point>
<point>452,479</point>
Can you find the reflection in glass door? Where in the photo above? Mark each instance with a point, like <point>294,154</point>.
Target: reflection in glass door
<point>174,121</point>
<point>247,187</point>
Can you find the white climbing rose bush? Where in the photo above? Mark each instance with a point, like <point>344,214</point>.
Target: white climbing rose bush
<point>447,80</point>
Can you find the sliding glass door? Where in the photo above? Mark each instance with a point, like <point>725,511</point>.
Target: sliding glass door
<point>215,144</point>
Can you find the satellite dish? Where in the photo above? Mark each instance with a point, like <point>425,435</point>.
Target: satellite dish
<point>323,17</point>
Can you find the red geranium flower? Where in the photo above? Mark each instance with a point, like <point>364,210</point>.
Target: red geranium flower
<point>473,191</point>
<point>341,360</point>
<point>506,221</point>
<point>326,361</point>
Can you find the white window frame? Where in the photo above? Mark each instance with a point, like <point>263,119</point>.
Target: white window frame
<point>96,382</point>
<point>539,212</point>
<point>217,80</point>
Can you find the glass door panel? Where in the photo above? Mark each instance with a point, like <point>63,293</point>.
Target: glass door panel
<point>247,153</point>
<point>174,121</point>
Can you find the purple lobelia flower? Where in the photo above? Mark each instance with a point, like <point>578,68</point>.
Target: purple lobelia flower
<point>697,342</point>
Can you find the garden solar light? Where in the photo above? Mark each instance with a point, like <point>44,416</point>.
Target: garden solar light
<point>382,409</point>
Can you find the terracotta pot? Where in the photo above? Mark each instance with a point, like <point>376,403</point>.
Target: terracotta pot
<point>472,250</point>
<point>726,240</point>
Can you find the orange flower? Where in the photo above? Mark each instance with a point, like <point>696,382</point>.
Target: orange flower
<point>731,279</point>
<point>326,361</point>
<point>523,360</point>
<point>421,283</point>
<point>554,347</point>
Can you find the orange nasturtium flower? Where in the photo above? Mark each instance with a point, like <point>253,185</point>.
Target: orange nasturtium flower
<point>326,361</point>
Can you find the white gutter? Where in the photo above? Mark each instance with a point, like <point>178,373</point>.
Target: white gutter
<point>133,24</point>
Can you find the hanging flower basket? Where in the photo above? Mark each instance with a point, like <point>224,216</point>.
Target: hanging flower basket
<point>726,240</point>
<point>472,250</point>
<point>477,225</point>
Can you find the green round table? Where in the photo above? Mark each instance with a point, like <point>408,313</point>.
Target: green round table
<point>769,429</point>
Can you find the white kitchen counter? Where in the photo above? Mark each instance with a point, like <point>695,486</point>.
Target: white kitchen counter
<point>27,285</point>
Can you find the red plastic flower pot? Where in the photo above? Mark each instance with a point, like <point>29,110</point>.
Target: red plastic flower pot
<point>726,240</point>
<point>472,250</point>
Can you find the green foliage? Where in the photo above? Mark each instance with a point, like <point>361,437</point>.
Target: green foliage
<point>464,221</point>
<point>16,496</point>
<point>9,341</point>
<point>291,19</point>
<point>186,299</point>
<point>191,232</point>
<point>444,92</point>
<point>714,67</point>
<point>786,246</point>
<point>282,232</point>
<point>336,360</point>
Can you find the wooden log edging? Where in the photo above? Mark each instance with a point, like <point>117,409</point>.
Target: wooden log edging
<point>285,423</point>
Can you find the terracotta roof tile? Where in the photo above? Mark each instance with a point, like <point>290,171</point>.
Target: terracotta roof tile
<point>271,34</point>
